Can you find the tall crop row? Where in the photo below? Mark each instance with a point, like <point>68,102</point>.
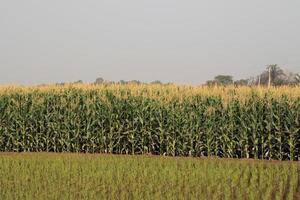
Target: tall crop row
<point>142,120</point>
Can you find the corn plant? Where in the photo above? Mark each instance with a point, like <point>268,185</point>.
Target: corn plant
<point>169,120</point>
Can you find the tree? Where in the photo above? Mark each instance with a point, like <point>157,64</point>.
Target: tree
<point>156,82</point>
<point>297,79</point>
<point>122,82</point>
<point>135,82</point>
<point>99,80</point>
<point>273,75</point>
<point>241,82</point>
<point>211,83</point>
<point>60,84</point>
<point>78,82</point>
<point>291,78</point>
<point>276,75</point>
<point>224,79</point>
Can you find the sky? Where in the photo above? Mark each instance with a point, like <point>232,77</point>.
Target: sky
<point>187,42</point>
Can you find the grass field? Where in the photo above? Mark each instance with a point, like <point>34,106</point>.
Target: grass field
<point>96,176</point>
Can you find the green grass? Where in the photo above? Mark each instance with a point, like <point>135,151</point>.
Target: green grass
<point>87,176</point>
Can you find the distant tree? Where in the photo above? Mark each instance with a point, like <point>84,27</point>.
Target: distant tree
<point>156,82</point>
<point>241,82</point>
<point>60,84</point>
<point>276,76</point>
<point>122,82</point>
<point>211,83</point>
<point>262,79</point>
<point>135,82</point>
<point>224,79</point>
<point>291,78</point>
<point>78,82</point>
<point>273,75</point>
<point>99,80</point>
<point>297,78</point>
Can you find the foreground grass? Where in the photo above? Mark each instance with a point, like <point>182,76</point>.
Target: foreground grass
<point>79,176</point>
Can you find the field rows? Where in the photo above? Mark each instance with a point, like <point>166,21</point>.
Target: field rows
<point>83,176</point>
<point>160,120</point>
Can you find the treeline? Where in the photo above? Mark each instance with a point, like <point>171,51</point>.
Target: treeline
<point>272,75</point>
<point>100,80</point>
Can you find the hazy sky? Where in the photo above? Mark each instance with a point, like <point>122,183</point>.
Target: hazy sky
<point>170,40</point>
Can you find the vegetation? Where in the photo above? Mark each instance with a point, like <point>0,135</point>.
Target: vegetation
<point>224,79</point>
<point>273,75</point>
<point>152,119</point>
<point>99,80</point>
<point>71,176</point>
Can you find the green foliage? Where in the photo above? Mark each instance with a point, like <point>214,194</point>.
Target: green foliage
<point>78,82</point>
<point>156,82</point>
<point>102,121</point>
<point>211,83</point>
<point>224,79</point>
<point>99,80</point>
<point>241,82</point>
<point>71,176</point>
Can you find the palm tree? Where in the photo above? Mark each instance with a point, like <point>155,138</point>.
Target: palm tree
<point>274,74</point>
<point>297,78</point>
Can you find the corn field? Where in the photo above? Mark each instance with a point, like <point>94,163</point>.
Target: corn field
<point>168,120</point>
